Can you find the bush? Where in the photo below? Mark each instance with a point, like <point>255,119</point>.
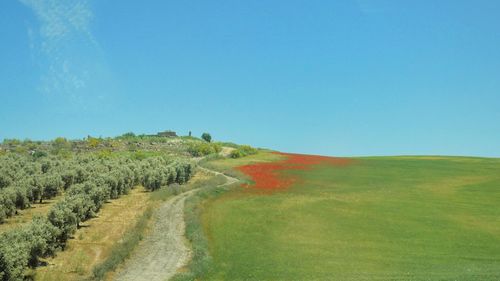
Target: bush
<point>61,144</point>
<point>243,151</point>
<point>39,154</point>
<point>203,149</point>
<point>93,142</point>
<point>236,154</point>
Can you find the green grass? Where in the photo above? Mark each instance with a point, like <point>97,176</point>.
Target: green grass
<point>201,260</point>
<point>386,218</point>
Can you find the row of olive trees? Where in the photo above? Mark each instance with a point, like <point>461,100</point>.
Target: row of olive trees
<point>86,192</point>
<point>25,180</point>
<point>31,182</point>
<point>28,180</point>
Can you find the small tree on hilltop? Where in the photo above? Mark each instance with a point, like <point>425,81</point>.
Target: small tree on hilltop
<point>206,137</point>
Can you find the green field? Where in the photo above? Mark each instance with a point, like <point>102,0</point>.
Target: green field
<point>381,218</point>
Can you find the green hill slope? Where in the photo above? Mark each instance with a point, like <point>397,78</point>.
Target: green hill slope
<point>382,218</point>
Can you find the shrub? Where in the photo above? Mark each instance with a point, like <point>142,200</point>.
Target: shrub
<point>93,142</point>
<point>242,151</point>
<point>203,149</point>
<point>128,135</point>
<point>39,154</point>
<point>61,143</point>
<point>236,154</point>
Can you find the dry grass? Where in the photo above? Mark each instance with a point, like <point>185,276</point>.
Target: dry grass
<point>25,216</point>
<point>93,241</point>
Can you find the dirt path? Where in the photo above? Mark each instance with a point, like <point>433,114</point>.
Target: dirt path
<point>165,250</point>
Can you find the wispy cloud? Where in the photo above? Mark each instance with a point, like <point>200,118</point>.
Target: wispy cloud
<point>60,19</point>
<point>64,48</point>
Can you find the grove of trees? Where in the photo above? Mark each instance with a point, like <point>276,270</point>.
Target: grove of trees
<point>86,182</point>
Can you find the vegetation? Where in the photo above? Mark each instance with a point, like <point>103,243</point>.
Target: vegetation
<point>203,149</point>
<point>398,218</point>
<point>22,248</point>
<point>25,180</point>
<point>88,175</point>
<point>242,151</point>
<point>206,137</point>
<point>227,166</point>
<point>201,260</point>
<point>97,239</point>
<point>122,250</point>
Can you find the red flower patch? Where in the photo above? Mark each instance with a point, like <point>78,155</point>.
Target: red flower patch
<point>267,175</point>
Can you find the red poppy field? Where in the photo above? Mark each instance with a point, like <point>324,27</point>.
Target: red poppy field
<point>267,175</point>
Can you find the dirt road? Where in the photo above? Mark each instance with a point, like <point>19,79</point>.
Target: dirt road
<point>165,250</point>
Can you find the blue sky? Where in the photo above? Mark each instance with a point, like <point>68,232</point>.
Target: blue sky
<point>347,77</point>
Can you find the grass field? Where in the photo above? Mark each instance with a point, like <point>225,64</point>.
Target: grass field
<point>382,218</point>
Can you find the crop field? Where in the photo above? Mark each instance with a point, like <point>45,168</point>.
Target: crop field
<point>378,218</point>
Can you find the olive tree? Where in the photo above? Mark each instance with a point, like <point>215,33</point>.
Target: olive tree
<point>42,237</point>
<point>61,216</point>
<point>14,256</point>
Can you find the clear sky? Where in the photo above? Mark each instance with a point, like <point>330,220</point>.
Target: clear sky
<point>346,77</point>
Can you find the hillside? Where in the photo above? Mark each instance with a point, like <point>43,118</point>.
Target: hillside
<point>73,209</point>
<point>181,208</point>
<point>380,218</point>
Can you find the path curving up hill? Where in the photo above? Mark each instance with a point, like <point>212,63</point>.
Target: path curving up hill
<point>165,250</point>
